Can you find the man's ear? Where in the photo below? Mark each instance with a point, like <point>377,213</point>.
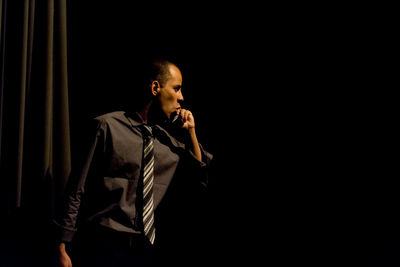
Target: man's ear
<point>155,87</point>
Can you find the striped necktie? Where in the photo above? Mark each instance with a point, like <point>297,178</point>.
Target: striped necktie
<point>148,177</point>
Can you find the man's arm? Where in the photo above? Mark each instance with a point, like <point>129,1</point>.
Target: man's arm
<point>189,124</point>
<point>63,259</point>
<point>195,144</point>
<point>67,215</point>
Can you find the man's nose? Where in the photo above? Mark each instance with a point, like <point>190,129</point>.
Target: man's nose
<point>180,96</point>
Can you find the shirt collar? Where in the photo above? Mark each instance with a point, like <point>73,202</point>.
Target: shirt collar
<point>136,121</point>
<point>134,118</point>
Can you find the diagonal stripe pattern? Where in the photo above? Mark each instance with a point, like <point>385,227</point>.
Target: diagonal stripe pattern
<point>148,177</point>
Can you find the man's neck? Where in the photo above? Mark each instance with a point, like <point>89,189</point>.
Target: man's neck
<point>144,112</point>
<point>151,113</point>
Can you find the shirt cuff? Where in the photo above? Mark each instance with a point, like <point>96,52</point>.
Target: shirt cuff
<point>63,234</point>
<point>206,158</point>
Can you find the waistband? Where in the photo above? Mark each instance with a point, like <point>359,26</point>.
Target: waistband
<point>117,238</point>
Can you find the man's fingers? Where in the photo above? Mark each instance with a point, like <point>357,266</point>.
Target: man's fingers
<point>187,115</point>
<point>187,118</point>
<point>184,114</point>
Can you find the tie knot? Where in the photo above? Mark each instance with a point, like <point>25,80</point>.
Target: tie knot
<point>147,131</point>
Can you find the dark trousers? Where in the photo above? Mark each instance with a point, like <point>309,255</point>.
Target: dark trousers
<point>107,248</point>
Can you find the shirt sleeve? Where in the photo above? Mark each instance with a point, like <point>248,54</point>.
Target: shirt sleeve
<point>198,169</point>
<point>191,170</point>
<point>67,214</point>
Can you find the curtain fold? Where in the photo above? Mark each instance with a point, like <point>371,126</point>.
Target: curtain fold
<point>35,154</point>
<point>22,101</point>
<point>63,133</point>
<point>3,6</point>
<point>48,97</point>
<point>35,133</point>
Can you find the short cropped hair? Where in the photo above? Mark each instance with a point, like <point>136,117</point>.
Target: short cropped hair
<point>142,72</point>
<point>159,71</point>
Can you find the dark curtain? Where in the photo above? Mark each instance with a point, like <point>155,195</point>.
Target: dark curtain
<point>34,125</point>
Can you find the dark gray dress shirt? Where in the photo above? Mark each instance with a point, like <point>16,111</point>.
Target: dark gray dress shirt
<point>104,191</point>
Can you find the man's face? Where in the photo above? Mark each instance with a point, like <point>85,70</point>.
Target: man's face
<point>170,94</point>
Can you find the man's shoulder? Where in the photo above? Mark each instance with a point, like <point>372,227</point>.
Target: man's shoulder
<point>115,119</point>
<point>111,116</point>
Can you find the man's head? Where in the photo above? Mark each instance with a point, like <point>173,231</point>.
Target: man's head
<point>166,86</point>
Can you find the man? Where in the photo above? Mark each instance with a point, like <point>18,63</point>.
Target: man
<point>112,202</point>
